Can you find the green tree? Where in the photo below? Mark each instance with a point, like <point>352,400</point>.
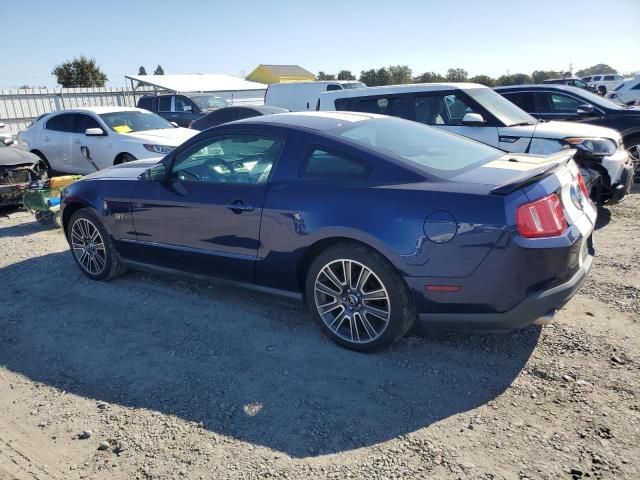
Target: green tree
<point>325,76</point>
<point>514,79</point>
<point>483,80</point>
<point>399,74</point>
<point>375,78</point>
<point>599,68</point>
<point>159,70</point>
<point>429,77</point>
<point>346,75</point>
<point>79,72</point>
<point>538,76</point>
<point>142,71</point>
<point>457,75</point>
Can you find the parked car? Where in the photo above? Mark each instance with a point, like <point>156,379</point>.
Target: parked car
<point>603,83</point>
<point>303,96</point>
<point>557,102</point>
<point>231,114</point>
<point>572,82</point>
<point>88,139</point>
<point>17,170</point>
<point>478,112</point>
<point>374,221</point>
<point>627,93</point>
<point>182,108</point>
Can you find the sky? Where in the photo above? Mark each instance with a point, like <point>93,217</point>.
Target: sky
<point>197,36</point>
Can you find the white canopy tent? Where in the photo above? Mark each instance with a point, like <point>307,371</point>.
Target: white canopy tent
<point>226,86</point>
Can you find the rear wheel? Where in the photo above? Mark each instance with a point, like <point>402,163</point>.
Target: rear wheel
<point>358,298</point>
<point>632,144</point>
<point>92,248</point>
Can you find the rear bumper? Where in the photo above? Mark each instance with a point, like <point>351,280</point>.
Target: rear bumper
<point>533,307</point>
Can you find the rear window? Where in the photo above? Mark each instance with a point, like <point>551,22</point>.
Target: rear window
<point>437,152</point>
<point>393,106</point>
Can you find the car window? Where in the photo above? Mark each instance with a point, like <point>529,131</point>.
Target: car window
<point>333,86</point>
<point>564,104</point>
<point>587,79</point>
<point>522,99</point>
<point>580,84</point>
<point>609,78</point>
<point>438,152</point>
<point>393,106</point>
<point>636,87</point>
<point>61,123</point>
<point>181,104</point>
<point>164,103</point>
<point>145,102</point>
<point>441,109</point>
<point>240,159</point>
<point>596,78</point>
<point>84,122</point>
<point>325,164</point>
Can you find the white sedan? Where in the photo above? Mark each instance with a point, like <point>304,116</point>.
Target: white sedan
<point>85,140</point>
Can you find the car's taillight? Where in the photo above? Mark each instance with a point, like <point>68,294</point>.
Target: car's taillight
<point>583,186</point>
<point>542,218</point>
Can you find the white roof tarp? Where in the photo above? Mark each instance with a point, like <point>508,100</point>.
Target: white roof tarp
<point>197,82</point>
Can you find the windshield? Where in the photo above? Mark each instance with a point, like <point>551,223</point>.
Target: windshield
<point>134,121</point>
<point>209,102</point>
<point>353,85</point>
<point>501,108</point>
<point>594,99</point>
<point>440,153</point>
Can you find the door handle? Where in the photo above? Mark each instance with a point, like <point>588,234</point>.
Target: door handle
<point>239,206</point>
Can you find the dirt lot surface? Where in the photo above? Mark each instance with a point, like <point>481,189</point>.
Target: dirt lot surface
<point>158,378</point>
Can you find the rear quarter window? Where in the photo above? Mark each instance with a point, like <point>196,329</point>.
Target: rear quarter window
<point>328,164</point>
<point>61,123</point>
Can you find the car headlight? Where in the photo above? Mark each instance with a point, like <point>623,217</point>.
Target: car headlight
<point>593,146</point>
<point>163,149</point>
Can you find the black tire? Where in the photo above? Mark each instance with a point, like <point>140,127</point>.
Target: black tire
<point>47,166</point>
<point>399,307</point>
<point>57,219</point>
<point>602,90</point>
<point>112,265</point>
<point>124,158</point>
<point>632,145</point>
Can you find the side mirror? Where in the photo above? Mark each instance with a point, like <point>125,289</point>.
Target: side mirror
<point>1,125</point>
<point>585,109</point>
<point>94,132</point>
<point>473,120</point>
<point>8,141</point>
<point>174,124</point>
<point>157,173</point>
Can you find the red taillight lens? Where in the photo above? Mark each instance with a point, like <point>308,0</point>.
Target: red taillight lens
<point>542,218</point>
<point>582,186</point>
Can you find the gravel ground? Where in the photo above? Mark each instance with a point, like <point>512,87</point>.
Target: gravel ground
<point>154,377</point>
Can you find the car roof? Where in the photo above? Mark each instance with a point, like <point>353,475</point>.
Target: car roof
<point>101,110</point>
<point>318,121</point>
<point>547,86</point>
<point>408,88</point>
<point>264,109</point>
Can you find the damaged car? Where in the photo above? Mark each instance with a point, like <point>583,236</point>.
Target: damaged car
<point>17,170</point>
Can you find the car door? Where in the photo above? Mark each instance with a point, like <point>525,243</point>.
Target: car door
<point>559,106</point>
<point>204,216</point>
<point>90,152</point>
<point>184,111</point>
<point>56,141</point>
<point>446,110</point>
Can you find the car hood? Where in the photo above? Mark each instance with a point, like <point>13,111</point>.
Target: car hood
<point>12,156</point>
<point>512,168</point>
<point>558,130</point>
<point>124,171</point>
<point>164,136</point>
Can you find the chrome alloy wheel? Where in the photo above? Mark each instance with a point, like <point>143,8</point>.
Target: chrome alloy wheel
<point>634,154</point>
<point>88,246</point>
<point>352,301</point>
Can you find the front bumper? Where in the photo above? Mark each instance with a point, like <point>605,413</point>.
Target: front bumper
<point>12,194</point>
<point>533,307</point>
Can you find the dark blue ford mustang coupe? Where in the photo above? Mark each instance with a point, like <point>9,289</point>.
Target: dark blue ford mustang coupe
<point>374,221</point>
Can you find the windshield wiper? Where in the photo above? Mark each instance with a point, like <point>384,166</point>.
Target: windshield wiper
<point>521,124</point>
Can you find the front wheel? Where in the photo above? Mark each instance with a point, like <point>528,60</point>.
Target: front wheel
<point>92,248</point>
<point>632,145</point>
<point>358,298</point>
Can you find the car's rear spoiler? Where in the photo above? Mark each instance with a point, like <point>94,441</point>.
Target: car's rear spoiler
<point>557,161</point>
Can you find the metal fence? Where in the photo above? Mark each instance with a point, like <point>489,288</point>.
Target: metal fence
<point>20,107</point>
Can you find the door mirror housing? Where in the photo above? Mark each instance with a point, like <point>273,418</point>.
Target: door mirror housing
<point>8,141</point>
<point>94,132</point>
<point>174,124</point>
<point>473,120</point>
<point>585,109</point>
<point>157,173</point>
